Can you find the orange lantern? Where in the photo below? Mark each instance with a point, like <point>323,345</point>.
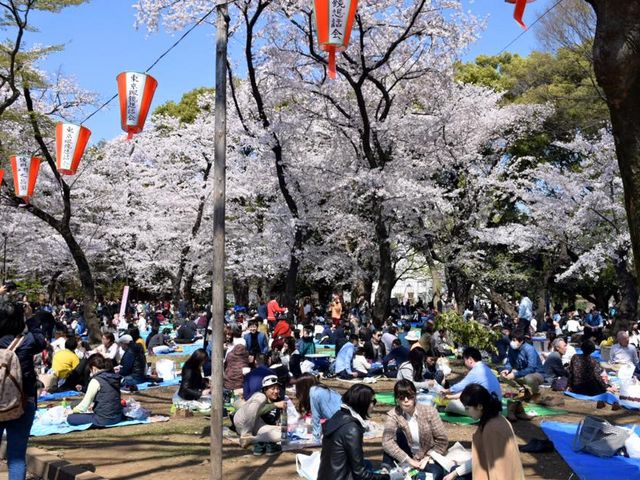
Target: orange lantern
<point>334,19</point>
<point>136,93</point>
<point>519,10</point>
<point>1,176</point>
<point>71,140</point>
<point>25,173</point>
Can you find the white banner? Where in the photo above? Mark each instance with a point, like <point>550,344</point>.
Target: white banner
<point>135,90</point>
<point>23,165</point>
<point>338,13</point>
<point>70,133</point>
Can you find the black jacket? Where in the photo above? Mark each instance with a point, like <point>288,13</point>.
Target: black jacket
<point>133,362</point>
<point>191,384</point>
<point>342,457</point>
<point>32,344</point>
<point>368,351</point>
<point>107,406</point>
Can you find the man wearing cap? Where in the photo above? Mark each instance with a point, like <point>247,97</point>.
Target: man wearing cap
<point>257,420</point>
<point>413,339</point>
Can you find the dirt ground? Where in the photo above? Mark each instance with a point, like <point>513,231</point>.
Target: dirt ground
<point>179,448</point>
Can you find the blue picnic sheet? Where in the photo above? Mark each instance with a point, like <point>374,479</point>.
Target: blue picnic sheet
<point>607,397</point>
<point>39,430</point>
<point>585,465</point>
<point>73,393</point>
<point>166,383</point>
<point>187,349</point>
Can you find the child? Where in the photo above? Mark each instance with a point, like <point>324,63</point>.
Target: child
<point>360,363</point>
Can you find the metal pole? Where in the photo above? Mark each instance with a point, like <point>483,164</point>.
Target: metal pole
<point>4,259</point>
<point>217,304</point>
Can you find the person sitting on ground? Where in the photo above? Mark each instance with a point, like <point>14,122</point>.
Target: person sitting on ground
<point>402,336</point>
<point>108,348</point>
<point>573,325</point>
<point>413,339</point>
<point>585,373</point>
<point>65,361</point>
<point>396,357</point>
<point>374,349</point>
<point>256,341</point>
<point>135,334</point>
<point>494,448</point>
<point>274,361</point>
<point>253,380</point>
<point>318,399</point>
<point>360,363</point>
<point>133,366</point>
<point>414,368</point>
<point>412,432</point>
<point>440,344</point>
<point>342,457</point>
<point>557,361</point>
<point>103,393</point>
<point>79,378</point>
<point>257,420</point>
<point>389,336</point>
<point>161,343</point>
<point>621,352</point>
<point>186,333</point>
<point>282,329</point>
<point>307,345</point>
<point>344,359</point>
<point>293,357</point>
<point>192,384</point>
<point>479,373</point>
<point>523,366</point>
<point>235,362</point>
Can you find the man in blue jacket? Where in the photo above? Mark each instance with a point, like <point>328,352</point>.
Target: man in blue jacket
<point>256,341</point>
<point>523,364</point>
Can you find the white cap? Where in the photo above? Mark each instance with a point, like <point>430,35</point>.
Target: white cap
<point>125,339</point>
<point>269,381</point>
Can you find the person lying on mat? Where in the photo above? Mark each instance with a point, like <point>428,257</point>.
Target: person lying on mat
<point>103,393</point>
<point>412,432</point>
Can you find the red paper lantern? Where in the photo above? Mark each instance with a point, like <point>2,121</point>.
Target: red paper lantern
<point>136,93</point>
<point>71,140</point>
<point>519,10</point>
<point>25,173</point>
<point>1,176</point>
<point>334,19</point>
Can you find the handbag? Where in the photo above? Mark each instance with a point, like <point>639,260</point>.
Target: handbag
<point>597,436</point>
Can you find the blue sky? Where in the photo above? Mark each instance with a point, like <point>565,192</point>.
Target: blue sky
<point>101,41</point>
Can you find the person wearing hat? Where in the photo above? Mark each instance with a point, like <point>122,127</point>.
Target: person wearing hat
<point>257,420</point>
<point>133,365</point>
<point>413,339</point>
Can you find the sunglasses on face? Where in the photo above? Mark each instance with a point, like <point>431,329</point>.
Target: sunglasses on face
<point>406,397</point>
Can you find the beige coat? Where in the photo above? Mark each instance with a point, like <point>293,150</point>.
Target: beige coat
<point>433,435</point>
<point>494,452</point>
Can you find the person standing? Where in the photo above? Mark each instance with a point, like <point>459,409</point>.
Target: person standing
<point>25,346</point>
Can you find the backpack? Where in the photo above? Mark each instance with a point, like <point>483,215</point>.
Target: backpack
<point>11,393</point>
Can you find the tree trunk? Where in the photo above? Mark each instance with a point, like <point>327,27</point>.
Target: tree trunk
<point>51,287</point>
<point>386,272</point>
<point>187,287</point>
<point>616,53</point>
<point>628,290</point>
<point>500,302</point>
<point>176,282</point>
<point>460,286</point>
<point>240,291</point>
<point>362,288</point>
<point>436,281</point>
<point>292,273</point>
<point>88,287</point>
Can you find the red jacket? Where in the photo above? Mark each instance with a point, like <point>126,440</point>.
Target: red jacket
<point>282,329</point>
<point>272,309</point>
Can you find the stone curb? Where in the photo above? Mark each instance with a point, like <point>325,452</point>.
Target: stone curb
<point>44,464</point>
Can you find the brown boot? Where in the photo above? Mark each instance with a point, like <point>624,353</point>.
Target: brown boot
<point>521,414</point>
<point>511,411</point>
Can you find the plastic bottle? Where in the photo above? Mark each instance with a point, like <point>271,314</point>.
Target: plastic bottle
<point>64,403</point>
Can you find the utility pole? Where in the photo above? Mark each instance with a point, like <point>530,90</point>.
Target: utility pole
<point>217,303</point>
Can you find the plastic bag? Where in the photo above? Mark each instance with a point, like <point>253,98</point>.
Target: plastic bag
<point>54,416</point>
<point>632,445</point>
<point>166,369</point>
<point>442,364</point>
<point>630,395</point>
<point>292,415</point>
<point>307,466</point>
<point>134,410</point>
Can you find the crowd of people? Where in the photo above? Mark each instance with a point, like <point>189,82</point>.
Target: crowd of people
<point>267,354</point>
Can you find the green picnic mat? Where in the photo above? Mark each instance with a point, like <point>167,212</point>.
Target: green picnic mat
<point>530,408</point>
<point>385,398</point>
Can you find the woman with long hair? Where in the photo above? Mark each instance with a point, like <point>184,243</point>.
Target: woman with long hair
<point>412,431</point>
<point>318,399</point>
<point>585,373</point>
<point>494,449</point>
<point>413,369</point>
<point>192,384</point>
<point>342,457</point>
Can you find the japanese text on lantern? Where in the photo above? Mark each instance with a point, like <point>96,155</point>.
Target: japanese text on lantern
<point>132,100</point>
<point>338,10</point>
<point>67,145</point>
<point>22,166</point>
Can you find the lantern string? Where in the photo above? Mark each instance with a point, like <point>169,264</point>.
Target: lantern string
<point>175,44</point>
<point>530,26</point>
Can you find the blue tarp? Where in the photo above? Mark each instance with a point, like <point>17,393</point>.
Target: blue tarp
<point>610,398</point>
<point>585,465</point>
<point>73,393</point>
<point>38,430</point>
